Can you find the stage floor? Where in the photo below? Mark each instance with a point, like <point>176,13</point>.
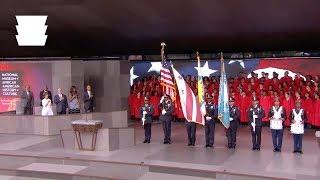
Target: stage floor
<point>44,153</point>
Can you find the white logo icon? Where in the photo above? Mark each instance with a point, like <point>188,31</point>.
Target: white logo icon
<point>31,30</point>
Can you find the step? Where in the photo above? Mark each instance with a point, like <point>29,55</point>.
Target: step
<point>7,177</point>
<point>162,176</point>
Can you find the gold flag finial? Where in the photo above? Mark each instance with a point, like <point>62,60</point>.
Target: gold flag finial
<point>198,56</point>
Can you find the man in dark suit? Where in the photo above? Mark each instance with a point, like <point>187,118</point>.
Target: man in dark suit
<point>61,102</point>
<point>42,94</point>
<point>166,117</point>
<point>27,101</point>
<point>88,99</point>
<point>255,115</point>
<point>234,122</point>
<point>146,112</point>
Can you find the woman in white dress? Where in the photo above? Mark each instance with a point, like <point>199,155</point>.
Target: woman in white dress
<point>46,106</point>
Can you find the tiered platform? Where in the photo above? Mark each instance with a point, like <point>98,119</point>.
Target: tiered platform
<point>42,157</point>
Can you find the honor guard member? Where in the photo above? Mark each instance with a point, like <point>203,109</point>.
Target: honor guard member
<point>146,112</point>
<point>210,117</point>
<point>166,117</point>
<point>255,115</point>
<point>298,118</point>
<point>277,115</point>
<point>234,122</point>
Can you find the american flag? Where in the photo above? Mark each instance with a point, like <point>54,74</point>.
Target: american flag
<point>166,78</point>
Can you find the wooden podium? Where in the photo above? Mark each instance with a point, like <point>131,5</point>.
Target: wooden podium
<point>86,126</point>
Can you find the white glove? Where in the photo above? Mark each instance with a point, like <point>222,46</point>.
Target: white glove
<point>255,116</point>
<point>253,124</point>
<point>231,119</point>
<point>163,111</point>
<point>208,118</point>
<point>161,100</point>
<point>144,112</point>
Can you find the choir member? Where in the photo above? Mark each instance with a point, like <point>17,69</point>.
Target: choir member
<point>286,78</point>
<point>316,110</point>
<point>265,103</point>
<point>137,103</point>
<point>298,118</point>
<point>155,101</point>
<point>255,114</point>
<point>277,115</point>
<point>131,104</point>
<point>308,106</point>
<point>244,106</point>
<point>288,104</point>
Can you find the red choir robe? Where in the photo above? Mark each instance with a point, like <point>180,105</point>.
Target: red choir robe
<point>316,120</point>
<point>245,102</point>
<point>307,105</point>
<point>138,102</point>
<point>266,103</point>
<point>288,105</point>
<point>236,100</point>
<point>286,79</point>
<point>155,101</point>
<point>130,104</point>
<point>297,81</point>
<point>178,109</point>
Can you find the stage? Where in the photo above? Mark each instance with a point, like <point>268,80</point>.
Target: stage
<point>42,157</point>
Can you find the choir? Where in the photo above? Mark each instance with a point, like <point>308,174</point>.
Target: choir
<point>287,89</point>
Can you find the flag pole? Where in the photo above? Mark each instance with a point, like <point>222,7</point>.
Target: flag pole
<point>162,60</point>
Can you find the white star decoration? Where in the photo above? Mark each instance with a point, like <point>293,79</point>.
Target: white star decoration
<point>205,70</point>
<point>132,76</point>
<point>239,61</point>
<point>155,66</point>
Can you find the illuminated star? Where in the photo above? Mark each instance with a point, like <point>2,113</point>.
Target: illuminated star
<point>239,61</point>
<point>132,76</point>
<point>155,66</point>
<point>205,70</point>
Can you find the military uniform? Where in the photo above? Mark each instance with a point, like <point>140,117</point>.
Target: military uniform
<point>209,126</point>
<point>191,130</point>
<point>255,115</point>
<point>234,122</point>
<point>166,118</point>
<point>146,112</point>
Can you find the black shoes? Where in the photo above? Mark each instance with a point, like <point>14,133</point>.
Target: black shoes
<point>255,148</point>
<point>146,141</point>
<point>298,152</point>
<point>276,150</point>
<point>209,145</point>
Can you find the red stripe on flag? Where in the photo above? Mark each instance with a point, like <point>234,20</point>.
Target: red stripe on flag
<point>189,102</point>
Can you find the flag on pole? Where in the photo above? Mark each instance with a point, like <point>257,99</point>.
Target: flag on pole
<point>223,106</point>
<point>189,103</point>
<point>200,88</point>
<point>165,76</point>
